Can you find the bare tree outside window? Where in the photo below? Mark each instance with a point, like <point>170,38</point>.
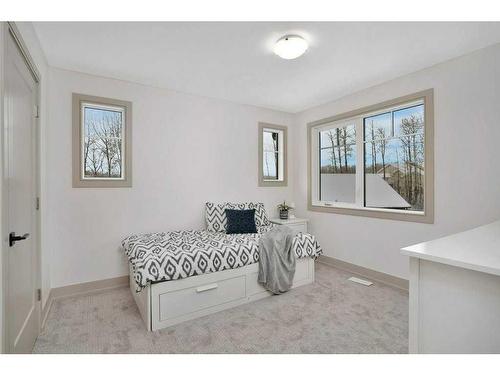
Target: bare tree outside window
<point>271,155</point>
<point>102,142</point>
<point>394,144</point>
<point>338,150</point>
<point>394,160</point>
<point>272,159</point>
<point>338,164</point>
<point>376,161</point>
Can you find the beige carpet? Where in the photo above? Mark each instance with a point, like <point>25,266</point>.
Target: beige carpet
<point>332,315</point>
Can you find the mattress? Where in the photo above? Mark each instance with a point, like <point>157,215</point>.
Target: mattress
<point>165,256</point>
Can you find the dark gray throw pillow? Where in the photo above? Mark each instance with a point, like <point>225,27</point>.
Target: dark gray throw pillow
<point>240,221</point>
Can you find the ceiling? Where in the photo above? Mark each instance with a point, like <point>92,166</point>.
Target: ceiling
<point>234,60</point>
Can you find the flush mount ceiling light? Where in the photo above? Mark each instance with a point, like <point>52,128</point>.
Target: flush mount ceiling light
<point>290,47</point>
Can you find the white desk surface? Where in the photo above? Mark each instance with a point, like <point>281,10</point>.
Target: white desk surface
<point>477,249</point>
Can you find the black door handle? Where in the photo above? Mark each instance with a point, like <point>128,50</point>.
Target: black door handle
<point>13,238</point>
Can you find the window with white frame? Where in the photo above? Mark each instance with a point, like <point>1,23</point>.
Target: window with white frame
<point>101,142</point>
<point>272,155</point>
<point>375,161</point>
<point>271,162</point>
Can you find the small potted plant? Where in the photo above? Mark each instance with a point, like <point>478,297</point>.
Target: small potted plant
<point>284,209</point>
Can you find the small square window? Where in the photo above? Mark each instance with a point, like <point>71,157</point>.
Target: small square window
<point>272,155</point>
<point>101,142</point>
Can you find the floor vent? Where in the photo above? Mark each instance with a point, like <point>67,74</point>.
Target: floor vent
<point>360,281</point>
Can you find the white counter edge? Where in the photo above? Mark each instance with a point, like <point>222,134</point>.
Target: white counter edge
<point>451,262</point>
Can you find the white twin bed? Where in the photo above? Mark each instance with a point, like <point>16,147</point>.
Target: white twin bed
<point>182,275</point>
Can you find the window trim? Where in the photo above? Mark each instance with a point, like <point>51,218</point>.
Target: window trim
<point>278,182</point>
<point>427,216</point>
<point>78,139</point>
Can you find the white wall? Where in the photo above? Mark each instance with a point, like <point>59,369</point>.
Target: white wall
<point>217,141</point>
<point>186,150</point>
<point>467,172</point>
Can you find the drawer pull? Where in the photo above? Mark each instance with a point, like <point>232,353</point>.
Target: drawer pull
<point>204,288</point>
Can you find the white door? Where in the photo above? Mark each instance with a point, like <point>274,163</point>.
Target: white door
<point>22,305</point>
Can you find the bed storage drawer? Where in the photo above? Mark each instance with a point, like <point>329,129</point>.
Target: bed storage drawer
<point>174,302</point>
<point>190,300</point>
<point>302,272</point>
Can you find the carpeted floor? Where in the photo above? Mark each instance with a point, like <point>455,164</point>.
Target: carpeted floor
<point>332,315</point>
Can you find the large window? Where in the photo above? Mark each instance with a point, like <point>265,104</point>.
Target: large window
<point>272,155</point>
<point>101,133</point>
<point>375,161</point>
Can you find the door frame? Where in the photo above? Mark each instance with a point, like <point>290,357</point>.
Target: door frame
<point>9,30</point>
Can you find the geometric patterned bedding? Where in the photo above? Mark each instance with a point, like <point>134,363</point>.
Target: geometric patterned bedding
<point>176,255</point>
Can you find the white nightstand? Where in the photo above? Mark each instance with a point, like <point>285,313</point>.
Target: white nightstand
<point>300,225</point>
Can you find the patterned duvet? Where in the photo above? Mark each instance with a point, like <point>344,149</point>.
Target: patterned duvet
<point>176,255</point>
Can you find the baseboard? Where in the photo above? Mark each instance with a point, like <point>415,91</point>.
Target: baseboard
<point>46,309</point>
<point>81,289</point>
<point>366,272</point>
<point>89,287</point>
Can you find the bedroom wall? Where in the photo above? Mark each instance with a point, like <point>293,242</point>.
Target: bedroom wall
<point>186,150</point>
<point>467,176</point>
<point>85,226</point>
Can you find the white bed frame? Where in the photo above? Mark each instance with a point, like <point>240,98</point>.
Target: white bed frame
<point>171,302</point>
